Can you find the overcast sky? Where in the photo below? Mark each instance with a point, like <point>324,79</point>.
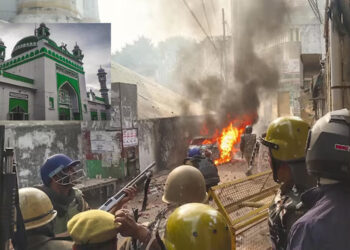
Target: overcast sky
<point>93,39</point>
<point>161,19</point>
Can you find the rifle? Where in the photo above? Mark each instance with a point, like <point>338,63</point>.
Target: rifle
<point>10,212</point>
<point>115,199</point>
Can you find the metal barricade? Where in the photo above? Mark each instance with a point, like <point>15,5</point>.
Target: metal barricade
<point>245,203</point>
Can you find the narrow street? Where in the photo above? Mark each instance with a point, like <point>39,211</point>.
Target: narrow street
<point>227,172</point>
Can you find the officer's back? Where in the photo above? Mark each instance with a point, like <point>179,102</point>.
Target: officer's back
<point>38,216</point>
<point>327,224</point>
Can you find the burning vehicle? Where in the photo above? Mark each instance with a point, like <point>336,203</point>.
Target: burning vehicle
<point>208,146</point>
<point>224,144</point>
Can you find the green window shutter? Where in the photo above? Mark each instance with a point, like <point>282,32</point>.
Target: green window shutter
<point>23,104</point>
<point>103,116</point>
<point>76,116</point>
<point>52,103</point>
<point>94,116</point>
<point>64,114</point>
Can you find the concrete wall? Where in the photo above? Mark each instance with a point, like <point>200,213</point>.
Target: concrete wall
<point>99,146</point>
<point>166,140</point>
<point>147,143</point>
<point>96,144</point>
<point>35,141</point>
<point>124,104</point>
<point>102,149</point>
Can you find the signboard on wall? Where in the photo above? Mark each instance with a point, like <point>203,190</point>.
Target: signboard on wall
<point>130,138</point>
<point>18,95</point>
<point>101,141</point>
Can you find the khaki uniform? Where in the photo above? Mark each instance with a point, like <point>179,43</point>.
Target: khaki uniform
<point>247,145</point>
<point>42,242</point>
<point>66,207</point>
<point>126,243</point>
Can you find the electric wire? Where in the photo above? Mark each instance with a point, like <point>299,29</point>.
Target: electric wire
<point>206,18</point>
<point>314,7</point>
<point>200,25</point>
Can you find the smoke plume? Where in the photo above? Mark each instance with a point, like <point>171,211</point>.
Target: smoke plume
<point>253,69</point>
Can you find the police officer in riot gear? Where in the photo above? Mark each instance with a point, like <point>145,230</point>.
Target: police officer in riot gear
<point>39,215</point>
<point>60,174</point>
<point>197,226</point>
<point>205,165</point>
<point>286,140</point>
<point>184,184</point>
<point>327,224</point>
<point>248,140</point>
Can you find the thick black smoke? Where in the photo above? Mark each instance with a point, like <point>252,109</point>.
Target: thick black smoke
<point>252,71</point>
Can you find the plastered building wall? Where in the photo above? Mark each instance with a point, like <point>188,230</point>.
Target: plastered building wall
<point>35,141</point>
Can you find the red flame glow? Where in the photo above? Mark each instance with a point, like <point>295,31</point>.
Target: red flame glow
<point>229,137</point>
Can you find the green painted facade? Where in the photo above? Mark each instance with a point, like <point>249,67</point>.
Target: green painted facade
<point>61,79</point>
<point>95,167</point>
<point>101,99</point>
<point>23,104</point>
<point>38,54</point>
<point>18,78</point>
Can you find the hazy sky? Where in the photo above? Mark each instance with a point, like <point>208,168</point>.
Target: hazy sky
<point>93,39</point>
<point>160,19</point>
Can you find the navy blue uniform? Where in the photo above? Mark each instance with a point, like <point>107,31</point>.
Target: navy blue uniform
<point>284,211</point>
<point>327,224</point>
<point>207,168</point>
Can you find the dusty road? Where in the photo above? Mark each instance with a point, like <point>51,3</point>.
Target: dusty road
<point>227,172</point>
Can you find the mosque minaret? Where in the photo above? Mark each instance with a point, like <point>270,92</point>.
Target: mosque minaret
<point>37,11</point>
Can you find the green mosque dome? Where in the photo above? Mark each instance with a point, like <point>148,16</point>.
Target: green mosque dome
<point>25,44</point>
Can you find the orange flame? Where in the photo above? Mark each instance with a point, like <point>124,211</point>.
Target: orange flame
<point>205,142</point>
<point>229,137</point>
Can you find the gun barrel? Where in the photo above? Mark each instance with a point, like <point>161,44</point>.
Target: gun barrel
<point>115,199</point>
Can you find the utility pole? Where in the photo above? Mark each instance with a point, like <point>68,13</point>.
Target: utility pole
<point>234,31</point>
<point>223,50</point>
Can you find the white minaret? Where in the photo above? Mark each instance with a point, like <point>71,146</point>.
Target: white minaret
<point>90,14</point>
<point>47,11</point>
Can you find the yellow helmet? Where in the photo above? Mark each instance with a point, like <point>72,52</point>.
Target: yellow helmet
<point>286,138</point>
<point>196,226</point>
<point>36,207</point>
<point>92,226</point>
<point>185,184</point>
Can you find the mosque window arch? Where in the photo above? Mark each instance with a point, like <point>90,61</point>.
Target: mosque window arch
<point>18,109</point>
<point>68,102</point>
